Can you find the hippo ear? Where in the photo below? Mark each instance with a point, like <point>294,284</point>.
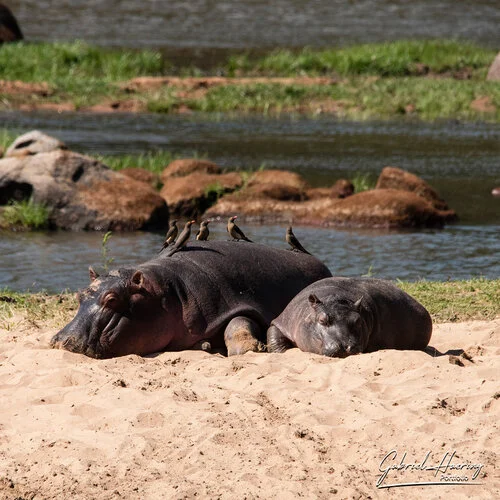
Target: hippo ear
<point>138,282</point>
<point>357,304</point>
<point>93,275</point>
<point>314,301</point>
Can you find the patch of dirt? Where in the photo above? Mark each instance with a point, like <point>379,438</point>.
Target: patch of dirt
<point>24,88</point>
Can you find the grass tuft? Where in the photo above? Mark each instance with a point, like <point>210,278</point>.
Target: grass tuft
<point>154,161</point>
<point>363,182</point>
<point>455,301</point>
<point>25,214</point>
<point>398,58</point>
<point>60,63</point>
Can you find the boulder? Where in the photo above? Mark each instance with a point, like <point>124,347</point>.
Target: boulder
<point>273,191</point>
<point>186,166</point>
<point>32,143</point>
<point>341,189</point>
<point>142,175</point>
<point>81,193</point>
<point>9,29</point>
<point>387,208</point>
<point>396,178</point>
<point>282,177</point>
<point>494,71</point>
<point>190,195</point>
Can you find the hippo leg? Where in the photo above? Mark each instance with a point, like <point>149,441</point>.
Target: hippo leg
<point>241,336</point>
<point>276,341</point>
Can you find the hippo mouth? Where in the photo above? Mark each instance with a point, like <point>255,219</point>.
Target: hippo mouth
<point>339,352</point>
<point>97,343</point>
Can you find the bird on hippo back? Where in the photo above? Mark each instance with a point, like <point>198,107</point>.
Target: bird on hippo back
<point>338,317</point>
<point>212,291</point>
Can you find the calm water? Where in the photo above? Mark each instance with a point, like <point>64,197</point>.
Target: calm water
<point>209,24</point>
<point>59,261</point>
<point>461,160</point>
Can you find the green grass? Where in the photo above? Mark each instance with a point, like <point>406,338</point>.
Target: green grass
<point>358,98</point>
<point>37,308</point>
<point>7,137</point>
<point>477,298</point>
<point>76,71</point>
<point>376,81</point>
<point>25,214</point>
<point>154,161</point>
<point>399,58</point>
<point>363,182</point>
<point>63,62</point>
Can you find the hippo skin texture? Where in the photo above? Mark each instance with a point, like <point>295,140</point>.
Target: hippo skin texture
<point>338,317</point>
<point>226,293</point>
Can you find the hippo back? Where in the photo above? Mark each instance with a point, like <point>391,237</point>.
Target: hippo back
<point>222,279</point>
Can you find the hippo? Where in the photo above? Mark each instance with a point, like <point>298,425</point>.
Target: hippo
<point>9,29</point>
<point>338,317</point>
<point>216,293</point>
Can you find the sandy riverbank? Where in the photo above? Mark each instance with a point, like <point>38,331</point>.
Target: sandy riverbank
<point>180,425</point>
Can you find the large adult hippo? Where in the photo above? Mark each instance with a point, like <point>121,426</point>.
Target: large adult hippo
<point>338,317</point>
<point>221,291</point>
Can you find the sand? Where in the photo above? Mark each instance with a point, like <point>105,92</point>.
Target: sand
<point>293,425</point>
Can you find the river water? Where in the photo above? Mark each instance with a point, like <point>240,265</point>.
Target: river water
<point>195,29</point>
<point>462,161</point>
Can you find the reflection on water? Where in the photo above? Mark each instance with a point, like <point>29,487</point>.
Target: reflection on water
<point>202,24</point>
<point>59,261</point>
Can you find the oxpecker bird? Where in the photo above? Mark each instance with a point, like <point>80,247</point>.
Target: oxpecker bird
<point>171,234</point>
<point>203,232</point>
<point>234,231</point>
<point>294,242</point>
<point>182,239</point>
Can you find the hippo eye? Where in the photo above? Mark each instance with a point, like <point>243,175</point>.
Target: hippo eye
<point>112,301</point>
<point>323,319</point>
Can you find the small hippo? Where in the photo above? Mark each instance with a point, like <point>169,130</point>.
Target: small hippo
<point>338,317</point>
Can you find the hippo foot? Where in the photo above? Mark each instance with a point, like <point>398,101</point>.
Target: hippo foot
<point>203,345</point>
<point>241,336</point>
<point>276,341</point>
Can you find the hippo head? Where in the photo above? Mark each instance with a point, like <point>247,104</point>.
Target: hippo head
<point>337,328</point>
<point>120,313</point>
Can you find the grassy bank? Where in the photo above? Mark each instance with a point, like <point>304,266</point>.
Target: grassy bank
<point>450,301</point>
<point>427,79</point>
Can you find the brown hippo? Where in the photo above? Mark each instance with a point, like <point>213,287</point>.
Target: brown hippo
<point>9,29</point>
<point>216,291</point>
<point>338,317</point>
